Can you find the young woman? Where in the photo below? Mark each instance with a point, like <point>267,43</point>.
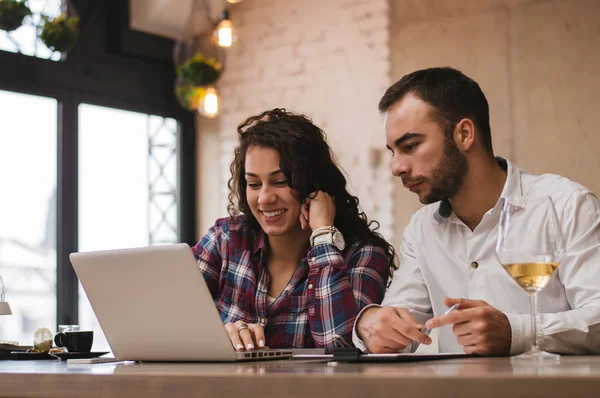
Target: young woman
<point>297,260</point>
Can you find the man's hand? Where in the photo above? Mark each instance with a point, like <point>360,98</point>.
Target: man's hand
<point>479,327</point>
<point>389,329</point>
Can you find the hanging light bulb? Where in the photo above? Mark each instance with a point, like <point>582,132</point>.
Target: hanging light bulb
<point>210,105</point>
<point>224,32</point>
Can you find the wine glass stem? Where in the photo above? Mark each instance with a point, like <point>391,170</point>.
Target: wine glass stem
<point>532,313</point>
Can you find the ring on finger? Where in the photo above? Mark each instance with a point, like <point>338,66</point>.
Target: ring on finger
<point>241,327</point>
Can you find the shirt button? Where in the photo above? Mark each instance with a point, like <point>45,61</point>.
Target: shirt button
<point>310,286</point>
<point>262,321</point>
<point>474,265</point>
<point>314,259</point>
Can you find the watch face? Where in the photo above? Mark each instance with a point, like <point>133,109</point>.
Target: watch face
<point>338,240</point>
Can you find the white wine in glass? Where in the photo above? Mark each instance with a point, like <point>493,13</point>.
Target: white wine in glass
<point>530,247</point>
<point>532,277</point>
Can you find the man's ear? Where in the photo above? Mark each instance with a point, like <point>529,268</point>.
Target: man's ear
<point>464,134</point>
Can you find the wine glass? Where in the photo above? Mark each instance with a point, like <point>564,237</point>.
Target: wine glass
<point>530,246</point>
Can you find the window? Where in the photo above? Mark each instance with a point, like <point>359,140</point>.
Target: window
<point>128,196</point>
<point>128,184</point>
<point>95,153</point>
<point>28,213</point>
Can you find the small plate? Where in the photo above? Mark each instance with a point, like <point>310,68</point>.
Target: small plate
<point>63,356</point>
<point>22,355</point>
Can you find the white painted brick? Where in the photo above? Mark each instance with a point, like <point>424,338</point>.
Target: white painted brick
<point>327,59</point>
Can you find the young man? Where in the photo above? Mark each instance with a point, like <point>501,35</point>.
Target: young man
<point>437,128</point>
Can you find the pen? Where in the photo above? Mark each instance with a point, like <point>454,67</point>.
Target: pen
<point>426,330</point>
<point>92,360</point>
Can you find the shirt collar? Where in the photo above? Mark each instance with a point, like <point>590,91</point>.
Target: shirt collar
<point>260,242</point>
<point>512,191</point>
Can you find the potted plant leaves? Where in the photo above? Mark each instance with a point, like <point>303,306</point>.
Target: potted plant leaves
<point>60,33</point>
<point>12,14</point>
<point>188,95</point>
<point>199,63</point>
<point>200,70</point>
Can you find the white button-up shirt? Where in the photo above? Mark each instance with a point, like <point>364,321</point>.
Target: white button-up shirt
<point>439,251</point>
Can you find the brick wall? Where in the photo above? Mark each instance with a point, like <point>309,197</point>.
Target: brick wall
<point>327,59</point>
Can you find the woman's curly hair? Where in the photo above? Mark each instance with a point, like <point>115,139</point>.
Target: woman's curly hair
<point>309,165</point>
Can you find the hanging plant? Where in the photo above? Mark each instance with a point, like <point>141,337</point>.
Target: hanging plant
<point>188,95</point>
<point>199,63</point>
<point>12,14</point>
<point>200,70</point>
<point>60,34</point>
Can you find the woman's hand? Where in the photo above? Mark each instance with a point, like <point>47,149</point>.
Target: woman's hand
<point>248,335</point>
<point>317,212</point>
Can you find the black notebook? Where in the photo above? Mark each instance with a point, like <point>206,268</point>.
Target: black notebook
<point>355,355</point>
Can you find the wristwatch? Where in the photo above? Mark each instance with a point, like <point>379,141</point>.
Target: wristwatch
<point>329,235</point>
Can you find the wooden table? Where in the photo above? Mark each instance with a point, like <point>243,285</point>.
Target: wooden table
<point>577,376</point>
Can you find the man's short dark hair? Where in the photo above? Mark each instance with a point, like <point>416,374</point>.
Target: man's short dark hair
<point>453,96</point>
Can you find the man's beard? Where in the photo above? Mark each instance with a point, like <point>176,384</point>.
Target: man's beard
<point>448,175</point>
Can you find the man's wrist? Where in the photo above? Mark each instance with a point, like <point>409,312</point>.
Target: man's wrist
<point>361,315</point>
<point>520,328</point>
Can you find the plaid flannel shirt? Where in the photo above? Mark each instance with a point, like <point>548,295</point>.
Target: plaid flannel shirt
<point>318,306</point>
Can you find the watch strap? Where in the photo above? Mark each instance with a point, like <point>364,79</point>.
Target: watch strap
<point>326,237</point>
<point>328,230</point>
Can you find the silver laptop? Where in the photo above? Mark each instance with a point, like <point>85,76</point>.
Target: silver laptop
<point>154,305</point>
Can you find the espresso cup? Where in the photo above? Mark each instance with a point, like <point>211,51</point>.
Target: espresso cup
<point>75,341</point>
<point>68,328</point>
